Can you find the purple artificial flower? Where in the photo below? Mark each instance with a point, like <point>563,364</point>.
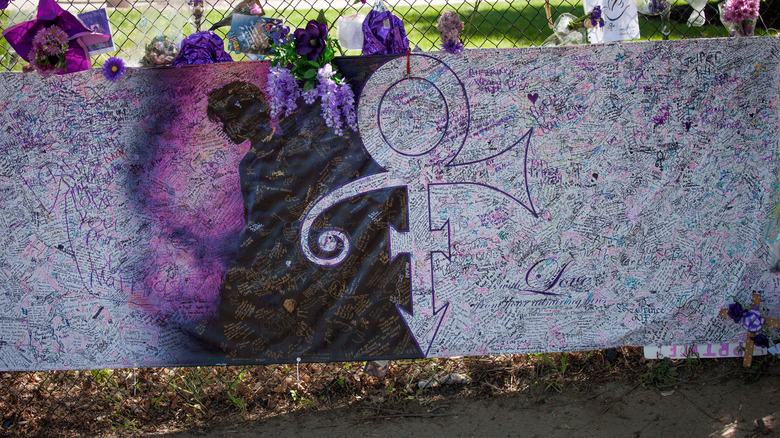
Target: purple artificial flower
<point>450,25</point>
<point>113,68</point>
<point>735,312</point>
<point>453,46</point>
<point>752,320</point>
<point>311,41</point>
<point>325,72</point>
<point>195,3</point>
<point>279,33</point>
<point>595,17</point>
<point>283,91</point>
<point>735,11</point>
<point>4,4</point>
<point>760,340</point>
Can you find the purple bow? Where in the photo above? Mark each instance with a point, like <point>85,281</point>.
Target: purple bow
<point>20,36</point>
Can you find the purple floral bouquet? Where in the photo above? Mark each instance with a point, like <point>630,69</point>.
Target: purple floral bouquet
<point>301,67</point>
<point>450,25</point>
<point>739,16</point>
<point>588,21</point>
<point>49,47</point>
<point>161,51</point>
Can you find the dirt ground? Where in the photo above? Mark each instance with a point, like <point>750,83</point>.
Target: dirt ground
<point>717,399</point>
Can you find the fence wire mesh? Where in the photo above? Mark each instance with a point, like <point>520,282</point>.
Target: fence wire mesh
<point>64,402</point>
<point>488,24</point>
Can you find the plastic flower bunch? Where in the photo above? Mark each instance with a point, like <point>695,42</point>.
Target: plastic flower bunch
<point>450,26</point>
<point>337,100</point>
<point>301,67</point>
<point>590,20</point>
<point>113,69</point>
<point>48,50</point>
<point>160,51</point>
<point>752,321</point>
<point>735,11</point>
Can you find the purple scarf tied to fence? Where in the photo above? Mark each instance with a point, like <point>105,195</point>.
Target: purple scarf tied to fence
<point>20,36</point>
<point>384,34</point>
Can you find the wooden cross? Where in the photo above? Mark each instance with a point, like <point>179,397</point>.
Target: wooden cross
<point>747,359</point>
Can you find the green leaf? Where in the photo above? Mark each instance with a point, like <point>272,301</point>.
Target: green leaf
<point>308,85</point>
<point>310,74</point>
<point>314,63</point>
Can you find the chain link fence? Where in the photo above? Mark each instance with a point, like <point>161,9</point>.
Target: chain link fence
<point>68,402</point>
<point>488,24</point>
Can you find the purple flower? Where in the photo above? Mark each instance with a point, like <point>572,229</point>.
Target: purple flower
<point>113,68</point>
<point>735,11</point>
<point>760,340</point>
<point>453,46</point>
<point>735,312</point>
<point>450,25</point>
<point>283,90</point>
<point>595,17</point>
<point>279,34</point>
<point>311,41</point>
<point>752,320</point>
<point>4,4</point>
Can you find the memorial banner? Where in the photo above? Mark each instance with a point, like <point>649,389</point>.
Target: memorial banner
<point>492,202</point>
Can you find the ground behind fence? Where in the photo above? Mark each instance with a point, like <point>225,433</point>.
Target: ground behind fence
<point>153,400</point>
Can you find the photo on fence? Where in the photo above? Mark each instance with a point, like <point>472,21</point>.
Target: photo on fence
<point>249,34</point>
<point>97,21</point>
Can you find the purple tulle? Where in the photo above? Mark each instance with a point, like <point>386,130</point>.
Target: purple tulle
<point>202,48</point>
<point>20,36</point>
<point>384,34</point>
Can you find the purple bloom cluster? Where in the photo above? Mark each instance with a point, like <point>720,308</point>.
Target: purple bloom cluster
<point>595,17</point>
<point>279,33</point>
<point>337,101</point>
<point>284,91</point>
<point>735,11</point>
<point>48,50</point>
<point>453,46</point>
<point>450,25</point>
<point>113,68</point>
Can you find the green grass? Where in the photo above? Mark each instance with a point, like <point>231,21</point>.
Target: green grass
<point>490,25</point>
